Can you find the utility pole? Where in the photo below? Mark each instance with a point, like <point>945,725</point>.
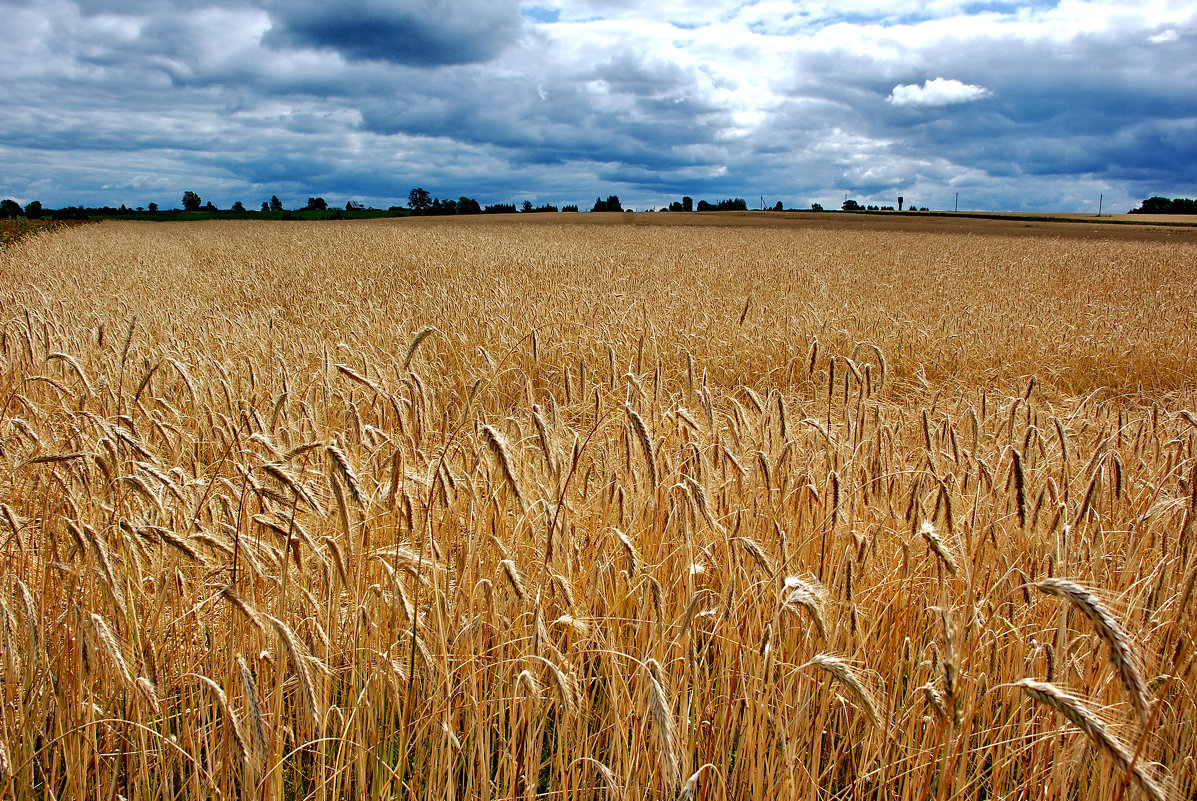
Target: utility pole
<point>957,201</point>
<point>1099,199</point>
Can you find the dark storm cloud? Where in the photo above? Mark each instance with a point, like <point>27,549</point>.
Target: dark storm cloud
<point>413,32</point>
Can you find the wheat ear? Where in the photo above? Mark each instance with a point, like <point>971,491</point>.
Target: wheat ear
<point>1084,719</point>
<point>842,672</point>
<point>1109,630</point>
<point>666,730</point>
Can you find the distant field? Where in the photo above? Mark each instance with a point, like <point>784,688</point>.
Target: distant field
<point>13,229</point>
<point>599,506</point>
<point>1135,227</point>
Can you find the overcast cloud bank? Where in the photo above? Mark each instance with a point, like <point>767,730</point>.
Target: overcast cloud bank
<point>1039,106</point>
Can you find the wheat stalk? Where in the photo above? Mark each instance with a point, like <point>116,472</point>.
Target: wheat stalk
<point>1110,631</point>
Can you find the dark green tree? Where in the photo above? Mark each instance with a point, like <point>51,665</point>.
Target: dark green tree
<point>275,203</point>
<point>1162,205</point>
<point>852,205</point>
<point>10,208</point>
<point>153,207</point>
<point>316,204</point>
<point>687,203</point>
<point>418,200</point>
<point>610,204</point>
<point>33,209</point>
<point>191,201</point>
<point>238,206</point>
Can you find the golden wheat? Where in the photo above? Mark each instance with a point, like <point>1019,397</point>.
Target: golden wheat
<point>484,509</point>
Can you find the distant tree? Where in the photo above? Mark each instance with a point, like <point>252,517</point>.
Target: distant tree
<point>316,204</point>
<point>418,200</point>
<point>779,207</point>
<point>191,201</point>
<point>33,209</point>
<point>675,206</point>
<point>1162,205</point>
<point>687,203</point>
<point>275,203</point>
<point>10,208</point>
<point>467,205</point>
<point>731,204</point>
<point>500,208</point>
<point>816,206</point>
<point>851,205</point>
<point>526,207</point>
<point>265,206</point>
<point>238,206</point>
<point>570,207</point>
<point>210,206</point>
<point>153,207</point>
<point>610,204</point>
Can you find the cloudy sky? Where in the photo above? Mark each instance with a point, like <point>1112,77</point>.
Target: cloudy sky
<point>1013,105</point>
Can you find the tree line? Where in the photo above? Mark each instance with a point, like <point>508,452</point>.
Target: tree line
<point>421,202</point>
<point>1162,205</point>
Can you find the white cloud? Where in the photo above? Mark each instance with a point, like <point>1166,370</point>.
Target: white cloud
<point>937,92</point>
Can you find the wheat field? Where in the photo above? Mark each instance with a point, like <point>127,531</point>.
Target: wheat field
<point>432,509</point>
